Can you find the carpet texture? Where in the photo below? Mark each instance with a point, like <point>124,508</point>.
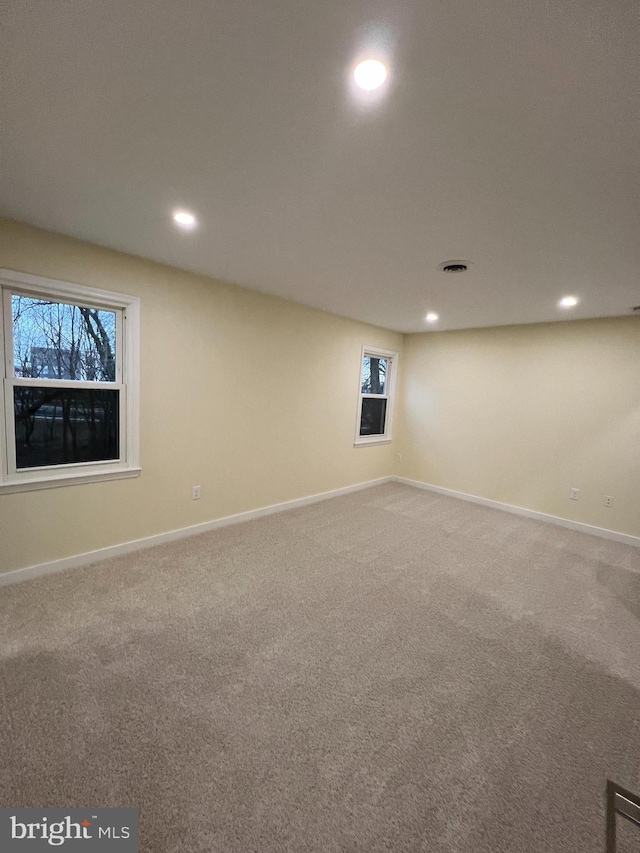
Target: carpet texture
<point>392,670</point>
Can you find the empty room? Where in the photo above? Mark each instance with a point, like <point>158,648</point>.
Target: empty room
<point>320,428</point>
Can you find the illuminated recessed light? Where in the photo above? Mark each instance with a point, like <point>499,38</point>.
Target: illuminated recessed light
<point>568,302</point>
<point>184,219</point>
<point>370,74</point>
<point>431,317</point>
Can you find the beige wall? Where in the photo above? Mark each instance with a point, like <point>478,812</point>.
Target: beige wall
<point>254,398</point>
<point>249,396</point>
<point>521,414</point>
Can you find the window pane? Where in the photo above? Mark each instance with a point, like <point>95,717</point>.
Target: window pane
<point>58,426</point>
<point>374,375</point>
<point>374,411</point>
<point>54,340</point>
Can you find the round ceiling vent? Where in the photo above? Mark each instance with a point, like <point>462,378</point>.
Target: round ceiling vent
<point>454,266</point>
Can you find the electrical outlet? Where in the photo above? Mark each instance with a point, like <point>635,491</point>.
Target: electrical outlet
<point>398,457</point>
<point>196,493</point>
<point>575,494</point>
<point>608,500</point>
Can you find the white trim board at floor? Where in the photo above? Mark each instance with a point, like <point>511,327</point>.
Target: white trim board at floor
<point>580,526</point>
<point>31,572</point>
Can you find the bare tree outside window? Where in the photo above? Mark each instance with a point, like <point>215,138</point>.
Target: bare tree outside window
<point>71,403</point>
<point>55,340</point>
<point>374,372</point>
<point>60,341</point>
<point>374,395</point>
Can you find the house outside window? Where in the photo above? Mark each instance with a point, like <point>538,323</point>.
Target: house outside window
<point>71,383</point>
<point>376,395</point>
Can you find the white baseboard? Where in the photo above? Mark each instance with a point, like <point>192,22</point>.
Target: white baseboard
<point>30,572</point>
<point>528,513</point>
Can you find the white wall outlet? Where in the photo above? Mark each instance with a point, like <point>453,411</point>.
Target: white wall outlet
<point>398,457</point>
<point>575,494</point>
<point>196,493</point>
<point>608,500</point>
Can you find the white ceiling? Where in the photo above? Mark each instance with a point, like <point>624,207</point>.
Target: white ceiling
<point>507,134</point>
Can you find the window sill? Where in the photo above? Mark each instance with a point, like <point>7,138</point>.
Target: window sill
<point>75,479</point>
<point>366,442</point>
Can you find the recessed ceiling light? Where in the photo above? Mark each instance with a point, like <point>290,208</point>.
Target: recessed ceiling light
<point>431,317</point>
<point>370,74</point>
<point>568,302</point>
<point>184,219</point>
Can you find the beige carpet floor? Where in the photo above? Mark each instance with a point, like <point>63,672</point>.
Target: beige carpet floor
<point>392,670</point>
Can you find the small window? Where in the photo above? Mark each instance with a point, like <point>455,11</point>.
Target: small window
<point>70,383</point>
<point>375,400</point>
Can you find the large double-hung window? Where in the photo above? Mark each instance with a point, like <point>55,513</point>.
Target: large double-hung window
<point>70,373</point>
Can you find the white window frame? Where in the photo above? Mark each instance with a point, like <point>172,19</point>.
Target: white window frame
<point>389,396</point>
<point>127,378</point>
